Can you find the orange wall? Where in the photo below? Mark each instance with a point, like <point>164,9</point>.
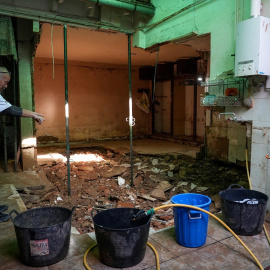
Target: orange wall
<point>98,101</point>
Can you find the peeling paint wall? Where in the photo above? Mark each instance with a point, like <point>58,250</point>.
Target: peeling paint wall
<point>98,101</point>
<point>196,18</point>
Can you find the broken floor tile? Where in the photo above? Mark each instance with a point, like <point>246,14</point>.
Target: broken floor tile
<point>164,185</point>
<point>192,186</point>
<point>155,162</point>
<point>115,171</point>
<point>201,189</point>
<point>158,194</point>
<point>86,168</point>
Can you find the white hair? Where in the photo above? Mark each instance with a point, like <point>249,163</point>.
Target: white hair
<point>3,70</point>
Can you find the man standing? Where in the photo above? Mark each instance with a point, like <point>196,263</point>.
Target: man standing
<point>7,109</point>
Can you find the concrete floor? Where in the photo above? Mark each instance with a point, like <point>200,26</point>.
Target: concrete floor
<point>221,251</point>
<point>140,146</point>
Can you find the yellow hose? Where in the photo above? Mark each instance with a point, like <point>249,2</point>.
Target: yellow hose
<point>157,257</point>
<point>250,187</point>
<point>192,207</point>
<point>85,255</point>
<point>199,209</point>
<point>212,215</point>
<point>94,245</point>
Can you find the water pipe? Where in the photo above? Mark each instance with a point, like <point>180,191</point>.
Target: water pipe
<point>234,116</point>
<point>136,6</point>
<point>255,8</point>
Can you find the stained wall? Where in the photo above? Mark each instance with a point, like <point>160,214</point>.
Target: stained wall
<point>98,97</point>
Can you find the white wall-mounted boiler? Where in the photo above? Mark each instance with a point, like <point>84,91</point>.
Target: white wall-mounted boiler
<point>252,52</point>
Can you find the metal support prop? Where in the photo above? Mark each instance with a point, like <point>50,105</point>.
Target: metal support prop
<point>67,108</point>
<point>195,110</point>
<point>154,93</point>
<point>130,109</point>
<point>5,143</point>
<point>3,120</point>
<point>15,143</point>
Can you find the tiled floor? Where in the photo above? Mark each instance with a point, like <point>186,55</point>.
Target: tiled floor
<point>221,251</point>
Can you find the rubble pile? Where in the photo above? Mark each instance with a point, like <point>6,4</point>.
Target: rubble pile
<point>100,179</point>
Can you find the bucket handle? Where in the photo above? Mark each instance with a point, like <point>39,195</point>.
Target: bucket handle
<point>92,212</point>
<point>239,186</point>
<point>194,212</point>
<point>13,211</point>
<point>72,211</point>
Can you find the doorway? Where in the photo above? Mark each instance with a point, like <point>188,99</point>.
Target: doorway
<point>163,107</point>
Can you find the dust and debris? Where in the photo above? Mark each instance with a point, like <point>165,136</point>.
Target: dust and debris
<point>105,183</point>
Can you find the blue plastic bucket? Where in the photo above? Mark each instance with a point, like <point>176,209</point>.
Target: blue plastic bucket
<point>191,225</point>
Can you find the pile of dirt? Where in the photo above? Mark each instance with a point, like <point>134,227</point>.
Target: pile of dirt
<point>100,179</point>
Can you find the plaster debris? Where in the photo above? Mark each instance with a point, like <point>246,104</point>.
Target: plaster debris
<point>155,170</point>
<point>121,181</point>
<point>158,194</point>
<point>201,189</point>
<point>94,185</point>
<point>192,186</point>
<point>155,162</point>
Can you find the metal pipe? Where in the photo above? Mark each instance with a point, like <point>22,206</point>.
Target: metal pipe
<point>66,107</point>
<point>195,109</point>
<point>255,8</point>
<point>172,105</point>
<point>3,120</point>
<point>148,10</point>
<point>154,93</point>
<point>5,142</point>
<point>15,142</point>
<point>130,110</point>
<point>234,116</point>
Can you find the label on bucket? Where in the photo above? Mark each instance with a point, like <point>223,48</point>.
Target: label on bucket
<point>39,247</point>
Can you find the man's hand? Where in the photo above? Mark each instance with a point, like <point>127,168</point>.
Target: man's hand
<point>38,117</point>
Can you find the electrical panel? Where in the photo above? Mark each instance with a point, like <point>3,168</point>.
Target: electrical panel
<point>252,55</point>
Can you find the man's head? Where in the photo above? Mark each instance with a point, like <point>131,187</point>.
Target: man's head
<point>4,78</point>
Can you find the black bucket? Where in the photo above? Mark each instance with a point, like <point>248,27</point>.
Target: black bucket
<point>43,234</point>
<point>121,242</point>
<point>243,210</point>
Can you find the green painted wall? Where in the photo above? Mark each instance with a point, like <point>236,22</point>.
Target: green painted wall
<point>217,17</point>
